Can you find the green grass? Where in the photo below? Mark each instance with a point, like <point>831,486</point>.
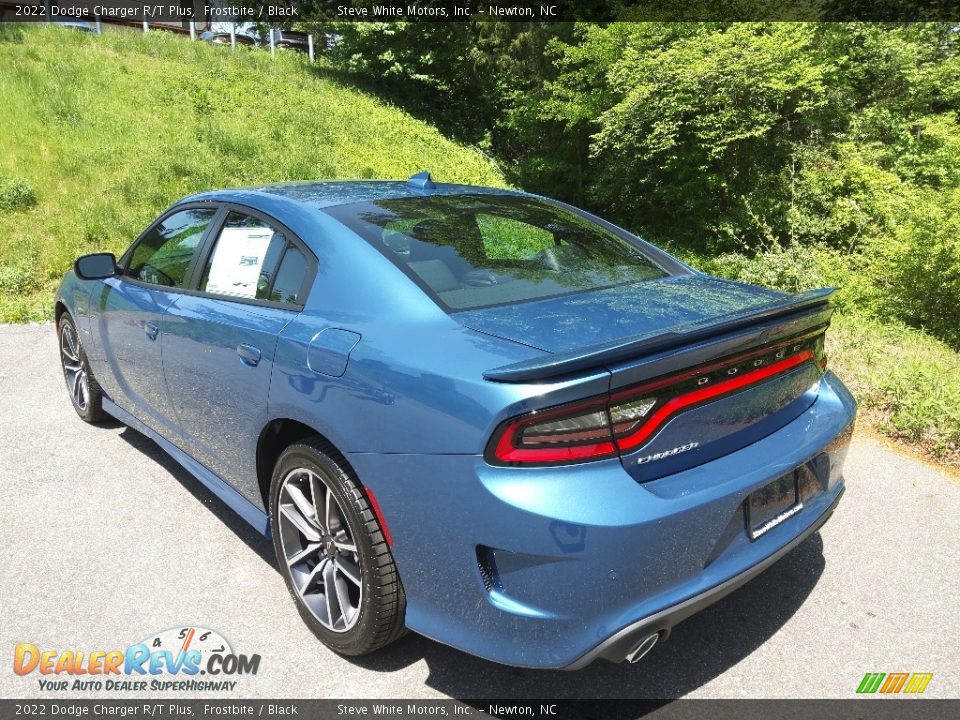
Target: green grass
<point>100,134</point>
<point>907,383</point>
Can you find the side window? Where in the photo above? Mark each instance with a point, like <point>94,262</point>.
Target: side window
<point>290,275</point>
<point>163,255</point>
<point>252,259</point>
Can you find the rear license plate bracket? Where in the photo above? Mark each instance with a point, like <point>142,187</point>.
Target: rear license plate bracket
<point>769,506</point>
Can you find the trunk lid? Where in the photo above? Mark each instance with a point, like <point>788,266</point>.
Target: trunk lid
<point>579,320</point>
<point>718,365</point>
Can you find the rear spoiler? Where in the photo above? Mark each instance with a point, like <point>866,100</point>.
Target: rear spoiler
<point>591,358</point>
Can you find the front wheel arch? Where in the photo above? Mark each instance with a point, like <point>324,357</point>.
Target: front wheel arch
<point>58,310</point>
<point>76,368</point>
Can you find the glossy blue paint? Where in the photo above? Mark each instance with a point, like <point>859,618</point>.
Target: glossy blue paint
<point>569,528</point>
<point>220,400</point>
<point>422,181</point>
<point>569,322</point>
<point>121,328</point>
<point>329,351</point>
<point>397,385</point>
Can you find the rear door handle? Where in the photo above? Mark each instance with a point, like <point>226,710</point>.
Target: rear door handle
<point>151,330</point>
<point>249,355</point>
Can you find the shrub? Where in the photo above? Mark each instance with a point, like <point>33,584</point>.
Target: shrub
<point>16,194</point>
<point>790,269</point>
<point>15,280</point>
<point>916,270</point>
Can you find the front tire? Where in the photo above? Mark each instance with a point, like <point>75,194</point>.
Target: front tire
<point>85,394</point>
<point>332,551</point>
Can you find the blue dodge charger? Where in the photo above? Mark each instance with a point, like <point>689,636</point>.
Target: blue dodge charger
<point>480,414</point>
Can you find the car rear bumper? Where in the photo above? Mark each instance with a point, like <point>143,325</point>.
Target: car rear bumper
<point>554,567</point>
<point>616,647</point>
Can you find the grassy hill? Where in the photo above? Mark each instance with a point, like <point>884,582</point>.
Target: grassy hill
<point>99,134</point>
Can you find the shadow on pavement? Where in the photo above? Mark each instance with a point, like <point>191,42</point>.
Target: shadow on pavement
<point>698,650</point>
<point>260,545</point>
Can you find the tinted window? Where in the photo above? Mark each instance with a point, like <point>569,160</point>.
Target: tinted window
<point>163,255</point>
<point>472,251</point>
<point>244,258</point>
<point>290,276</point>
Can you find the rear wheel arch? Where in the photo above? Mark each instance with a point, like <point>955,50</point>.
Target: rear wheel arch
<point>334,553</point>
<point>276,436</point>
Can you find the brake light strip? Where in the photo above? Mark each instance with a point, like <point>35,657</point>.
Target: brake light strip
<point>680,402</point>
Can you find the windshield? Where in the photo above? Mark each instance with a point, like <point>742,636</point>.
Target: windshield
<point>473,251</point>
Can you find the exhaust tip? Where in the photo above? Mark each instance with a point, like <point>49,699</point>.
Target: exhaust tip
<point>642,648</point>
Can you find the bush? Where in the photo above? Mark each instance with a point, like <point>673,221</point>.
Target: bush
<point>915,272</point>
<point>15,280</point>
<point>16,194</point>
<point>790,269</point>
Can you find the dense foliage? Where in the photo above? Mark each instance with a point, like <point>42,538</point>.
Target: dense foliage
<point>732,144</point>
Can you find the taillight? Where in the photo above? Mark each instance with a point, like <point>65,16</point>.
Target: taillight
<point>627,419</point>
<point>565,434</point>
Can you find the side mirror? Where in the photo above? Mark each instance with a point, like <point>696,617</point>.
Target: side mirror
<point>95,267</point>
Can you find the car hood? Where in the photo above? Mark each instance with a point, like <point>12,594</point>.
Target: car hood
<point>569,322</point>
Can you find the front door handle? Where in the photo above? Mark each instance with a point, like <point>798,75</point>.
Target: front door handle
<point>249,355</point>
<point>151,330</point>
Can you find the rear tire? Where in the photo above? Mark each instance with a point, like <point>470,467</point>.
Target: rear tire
<point>326,537</point>
<point>85,394</point>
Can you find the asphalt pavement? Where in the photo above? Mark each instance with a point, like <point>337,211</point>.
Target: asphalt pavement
<point>105,539</point>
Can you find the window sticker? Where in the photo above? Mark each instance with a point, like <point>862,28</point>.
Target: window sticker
<point>238,261</point>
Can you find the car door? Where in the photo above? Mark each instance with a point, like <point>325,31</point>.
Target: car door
<point>219,349</point>
<point>131,313</point>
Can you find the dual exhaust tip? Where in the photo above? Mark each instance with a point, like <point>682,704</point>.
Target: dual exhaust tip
<point>642,648</point>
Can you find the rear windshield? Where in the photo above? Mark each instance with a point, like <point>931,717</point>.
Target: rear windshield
<point>473,251</point>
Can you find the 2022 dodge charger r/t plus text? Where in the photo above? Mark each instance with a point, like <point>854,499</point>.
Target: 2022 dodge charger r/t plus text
<point>476,413</point>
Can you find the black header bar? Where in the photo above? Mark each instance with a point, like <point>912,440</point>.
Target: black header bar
<point>287,12</point>
<point>548,709</point>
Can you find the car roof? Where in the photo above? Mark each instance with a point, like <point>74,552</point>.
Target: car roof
<point>324,194</point>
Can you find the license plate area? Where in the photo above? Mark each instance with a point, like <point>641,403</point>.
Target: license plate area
<point>772,504</point>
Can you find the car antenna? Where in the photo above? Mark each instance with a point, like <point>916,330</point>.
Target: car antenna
<point>422,181</point>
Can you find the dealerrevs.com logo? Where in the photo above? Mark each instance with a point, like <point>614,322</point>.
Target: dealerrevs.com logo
<point>184,659</point>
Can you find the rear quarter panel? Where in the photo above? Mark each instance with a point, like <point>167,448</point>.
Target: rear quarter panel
<point>414,381</point>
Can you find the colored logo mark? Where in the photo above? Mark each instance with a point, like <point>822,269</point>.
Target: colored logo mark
<point>894,683</point>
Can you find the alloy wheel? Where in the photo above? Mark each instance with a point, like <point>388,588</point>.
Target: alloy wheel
<point>74,369</point>
<point>319,550</point>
